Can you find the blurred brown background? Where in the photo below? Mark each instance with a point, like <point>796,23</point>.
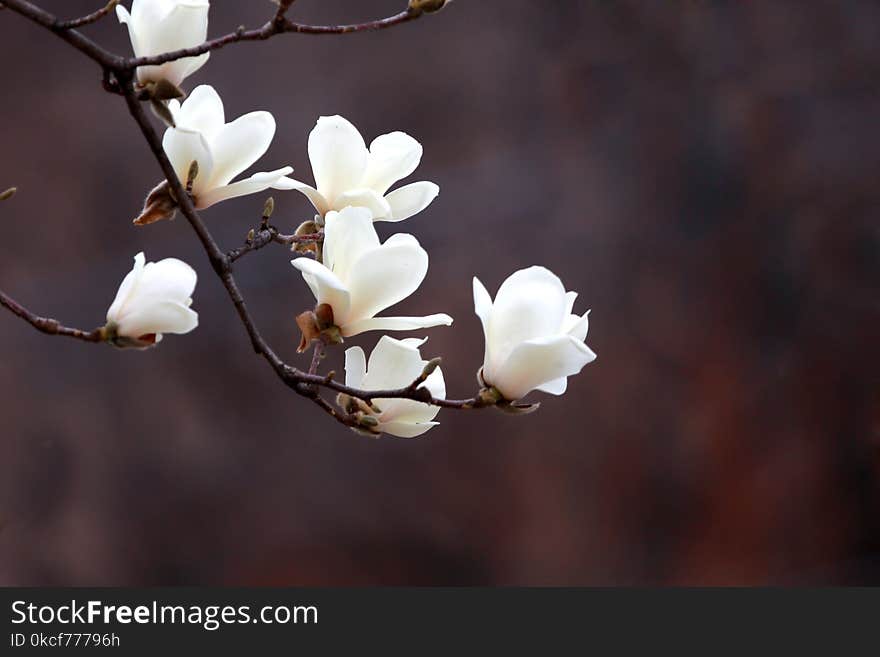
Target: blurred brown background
<point>704,173</point>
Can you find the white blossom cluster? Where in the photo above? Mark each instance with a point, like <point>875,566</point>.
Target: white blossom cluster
<point>533,339</point>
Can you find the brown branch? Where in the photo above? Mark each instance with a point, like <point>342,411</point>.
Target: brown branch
<point>48,325</point>
<point>306,384</point>
<point>265,235</point>
<point>317,355</point>
<point>88,19</point>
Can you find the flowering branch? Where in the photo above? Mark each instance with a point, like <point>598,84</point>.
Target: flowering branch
<point>134,322</point>
<point>304,383</point>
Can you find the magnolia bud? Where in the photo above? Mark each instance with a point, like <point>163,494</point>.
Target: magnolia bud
<point>159,205</point>
<point>432,365</point>
<point>307,228</point>
<point>268,208</point>
<point>427,6</point>
<point>8,194</point>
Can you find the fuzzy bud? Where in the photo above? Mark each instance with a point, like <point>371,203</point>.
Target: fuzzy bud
<point>8,194</point>
<point>159,205</point>
<point>427,6</point>
<point>268,208</point>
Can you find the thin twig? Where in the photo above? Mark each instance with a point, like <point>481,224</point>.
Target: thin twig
<point>88,19</point>
<point>269,30</point>
<point>317,355</point>
<point>48,325</point>
<point>266,235</point>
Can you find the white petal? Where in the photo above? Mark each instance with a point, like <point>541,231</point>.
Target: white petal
<point>383,276</point>
<point>408,410</point>
<point>395,324</point>
<point>158,318</point>
<point>482,305</point>
<point>393,364</point>
<point>554,387</point>
<point>410,199</point>
<point>185,26</point>
<point>355,367</point>
<point>124,17</point>
<point>256,183</point>
<point>577,327</point>
<point>570,298</point>
<point>195,63</point>
<point>364,198</point>
<point>183,147</point>
<point>167,280</point>
<point>326,286</point>
<point>407,430</point>
<point>320,203</point>
<point>125,288</point>
<point>530,304</point>
<point>239,144</point>
<point>392,157</point>
<point>338,155</point>
<point>538,363</point>
<point>201,112</point>
<point>145,13</point>
<point>347,236</point>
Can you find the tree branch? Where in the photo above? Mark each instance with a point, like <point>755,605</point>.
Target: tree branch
<point>48,325</point>
<point>88,19</point>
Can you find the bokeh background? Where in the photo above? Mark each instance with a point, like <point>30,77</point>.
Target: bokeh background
<point>704,173</point>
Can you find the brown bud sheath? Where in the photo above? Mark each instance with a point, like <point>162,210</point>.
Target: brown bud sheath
<point>324,316</point>
<point>164,90</point>
<point>158,206</point>
<point>308,326</point>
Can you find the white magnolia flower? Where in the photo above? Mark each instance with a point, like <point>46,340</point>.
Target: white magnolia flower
<point>159,26</point>
<point>222,150</point>
<point>395,364</point>
<point>154,298</point>
<point>361,277</point>
<point>533,341</point>
<point>346,173</point>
